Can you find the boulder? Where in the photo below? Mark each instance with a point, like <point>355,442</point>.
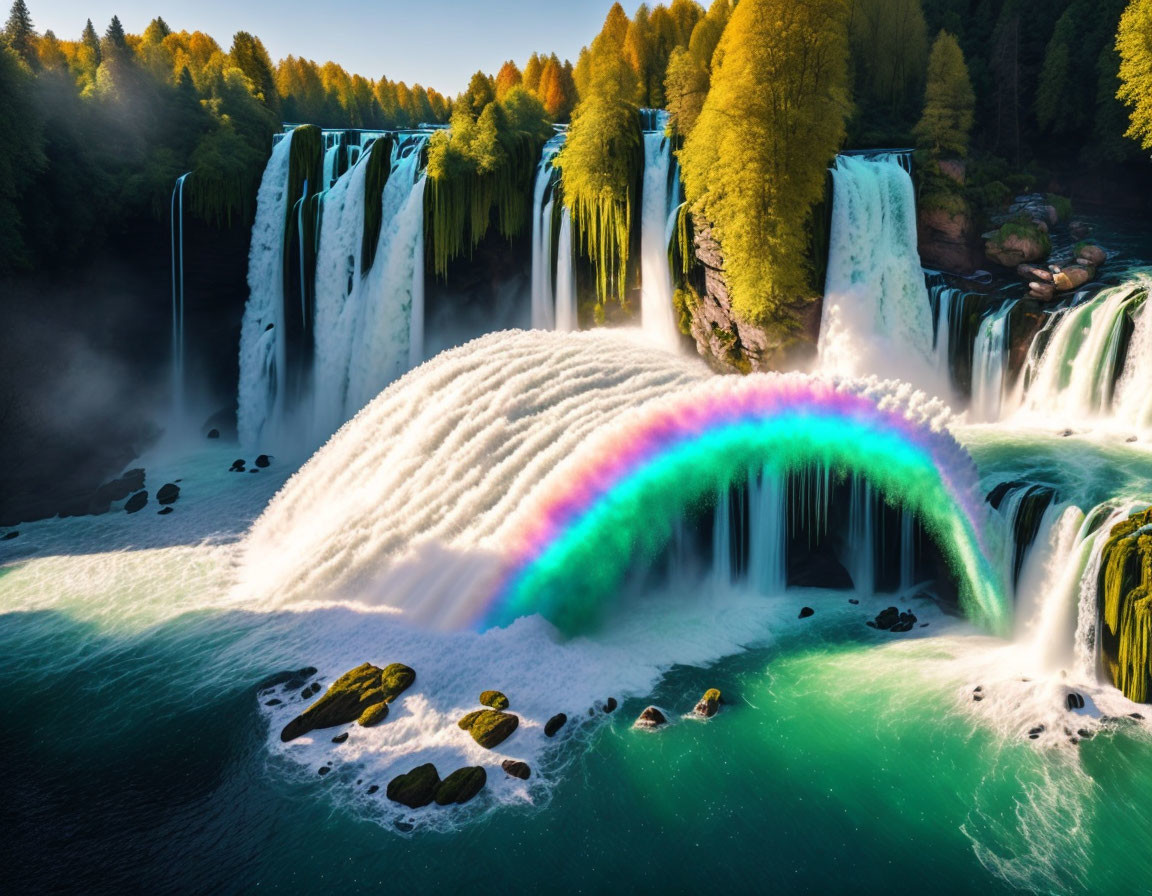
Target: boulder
<point>8,536</point>
<point>494,700</point>
<point>1042,291</point>
<point>293,679</point>
<point>460,786</point>
<point>489,727</point>
<point>373,715</point>
<point>554,724</point>
<point>349,696</point>
<point>805,612</point>
<point>516,768</point>
<point>885,619</point>
<point>709,704</point>
<point>164,511</point>
<point>168,493</point>
<point>1033,272</point>
<point>650,718</point>
<point>136,502</point>
<point>416,788</point>
<point>1072,277</point>
<point>610,705</point>
<point>1017,242</point>
<point>238,465</point>
<point>213,433</point>
<point>1074,701</point>
<point>264,460</point>
<point>1092,254</point>
<point>1079,230</point>
<point>340,738</point>
<point>946,236</point>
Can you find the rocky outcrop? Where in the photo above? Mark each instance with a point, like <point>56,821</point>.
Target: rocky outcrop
<point>1017,242</point>
<point>136,503</point>
<point>354,696</point>
<point>489,727</point>
<point>947,237</point>
<point>416,788</point>
<point>709,704</point>
<point>650,718</point>
<point>516,768</point>
<point>494,700</point>
<point>1124,606</point>
<point>554,724</point>
<point>461,786</point>
<point>892,620</point>
<point>728,343</point>
<point>168,493</point>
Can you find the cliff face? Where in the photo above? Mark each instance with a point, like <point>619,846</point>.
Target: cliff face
<point>1124,596</point>
<point>732,345</point>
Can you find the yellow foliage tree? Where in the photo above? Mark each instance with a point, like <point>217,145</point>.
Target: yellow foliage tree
<point>1134,44</point>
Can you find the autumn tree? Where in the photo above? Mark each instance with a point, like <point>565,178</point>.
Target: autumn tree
<point>755,164</point>
<point>532,71</point>
<point>689,74</point>
<point>508,77</point>
<point>946,124</point>
<point>481,91</point>
<point>1134,43</point>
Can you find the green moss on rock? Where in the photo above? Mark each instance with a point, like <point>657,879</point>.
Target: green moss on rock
<point>373,715</point>
<point>350,696</point>
<point>379,167</point>
<point>460,786</point>
<point>1125,606</point>
<point>709,704</point>
<point>489,727</point>
<point>415,788</point>
<point>494,699</point>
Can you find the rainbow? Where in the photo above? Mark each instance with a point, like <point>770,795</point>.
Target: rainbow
<point>569,549</point>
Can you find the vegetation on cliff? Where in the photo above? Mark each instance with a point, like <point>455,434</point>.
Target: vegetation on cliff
<point>1125,606</point>
<point>1134,44</point>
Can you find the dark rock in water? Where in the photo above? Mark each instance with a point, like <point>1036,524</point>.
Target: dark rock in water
<point>976,698</point>
<point>901,627</point>
<point>494,699</point>
<point>554,724</point>
<point>979,688</point>
<point>460,786</point>
<point>313,688</point>
<point>164,512</point>
<point>264,460</point>
<point>853,601</point>
<point>323,770</point>
<point>925,624</point>
<point>340,738</point>
<point>885,619</point>
<point>1074,701</point>
<point>274,702</point>
<point>8,536</point>
<point>168,493</point>
<point>294,679</point>
<point>1085,734</point>
<point>253,470</point>
<point>238,465</point>
<point>709,704</point>
<point>1036,732</point>
<point>650,718</point>
<point>1136,716</point>
<point>805,612</point>
<point>1131,439</point>
<point>489,727</point>
<point>1065,433</point>
<point>213,433</point>
<point>416,788</point>
<point>373,789</point>
<point>610,705</point>
<point>516,769</point>
<point>136,502</point>
<point>350,697</point>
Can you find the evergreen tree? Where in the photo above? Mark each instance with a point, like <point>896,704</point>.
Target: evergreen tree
<point>532,71</point>
<point>481,91</point>
<point>755,164</point>
<point>19,34</point>
<point>889,50</point>
<point>1134,43</point>
<point>156,31</point>
<point>248,55</point>
<point>946,124</point>
<point>114,38</point>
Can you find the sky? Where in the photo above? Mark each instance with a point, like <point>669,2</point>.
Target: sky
<point>437,43</point>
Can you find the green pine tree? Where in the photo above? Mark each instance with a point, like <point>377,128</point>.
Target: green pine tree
<point>19,33</point>
<point>946,124</point>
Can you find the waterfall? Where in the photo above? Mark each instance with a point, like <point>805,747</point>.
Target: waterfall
<point>176,218</point>
<point>767,533</point>
<point>657,314</point>
<point>544,301</point>
<point>877,316</point>
<point>1096,352</point>
<point>262,345</point>
<point>990,363</point>
<point>861,554</point>
<point>369,325</point>
<point>566,315</point>
<point>722,541</point>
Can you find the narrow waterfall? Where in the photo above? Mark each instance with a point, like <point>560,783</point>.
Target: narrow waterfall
<point>722,573</point>
<point>860,558</point>
<point>877,314</point>
<point>544,300</point>
<point>262,345</point>
<point>767,533</point>
<point>176,220</point>
<point>566,316</point>
<point>657,315</point>
<point>990,364</point>
<point>1096,361</point>
<point>369,324</point>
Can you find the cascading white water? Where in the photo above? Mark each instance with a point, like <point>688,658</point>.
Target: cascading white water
<point>722,541</point>
<point>566,314</point>
<point>657,315</point>
<point>262,342</point>
<point>861,549</point>
<point>767,533</point>
<point>179,386</point>
<point>877,316</point>
<point>990,364</point>
<point>543,204</point>
<point>369,325</point>
<point>1075,376</point>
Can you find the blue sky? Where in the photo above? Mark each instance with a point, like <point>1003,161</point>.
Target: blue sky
<point>437,43</point>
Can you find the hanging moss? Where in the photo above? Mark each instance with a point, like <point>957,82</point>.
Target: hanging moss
<point>602,164</point>
<point>305,163</point>
<point>379,164</point>
<point>1125,606</point>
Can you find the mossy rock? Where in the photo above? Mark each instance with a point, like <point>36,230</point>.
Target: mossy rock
<point>373,715</point>
<point>1124,606</point>
<point>709,704</point>
<point>350,696</point>
<point>494,699</point>
<point>415,788</point>
<point>489,727</point>
<point>460,786</point>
